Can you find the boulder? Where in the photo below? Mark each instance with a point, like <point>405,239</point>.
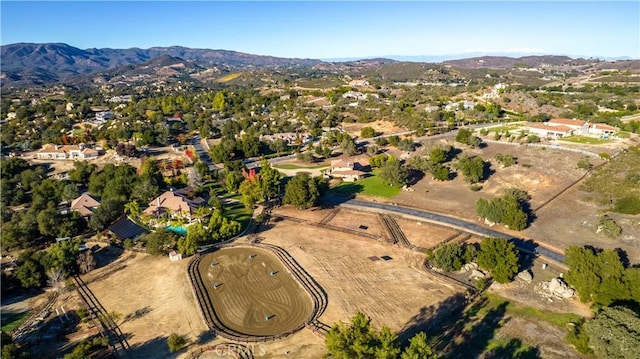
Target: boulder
<point>560,289</point>
<point>477,274</point>
<point>525,276</point>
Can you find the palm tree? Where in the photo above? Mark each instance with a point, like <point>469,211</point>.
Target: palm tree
<point>132,209</point>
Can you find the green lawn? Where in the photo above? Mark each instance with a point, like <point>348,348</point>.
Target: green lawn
<point>369,186</point>
<point>290,166</point>
<point>11,321</point>
<point>239,213</point>
<point>585,140</point>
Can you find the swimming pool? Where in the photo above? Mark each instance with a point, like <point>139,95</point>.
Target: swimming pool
<point>179,229</point>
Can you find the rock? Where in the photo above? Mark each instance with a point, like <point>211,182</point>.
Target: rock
<point>525,276</point>
<point>560,289</point>
<point>476,273</point>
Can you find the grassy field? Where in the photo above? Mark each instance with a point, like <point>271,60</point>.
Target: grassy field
<point>504,128</point>
<point>229,77</point>
<point>11,321</point>
<point>369,186</point>
<point>290,166</point>
<point>584,140</point>
<point>239,213</point>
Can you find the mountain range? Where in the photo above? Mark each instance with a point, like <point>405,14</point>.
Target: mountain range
<point>27,64</point>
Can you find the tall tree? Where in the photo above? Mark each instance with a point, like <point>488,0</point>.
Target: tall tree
<point>500,257</point>
<point>419,348</point>
<point>301,191</point>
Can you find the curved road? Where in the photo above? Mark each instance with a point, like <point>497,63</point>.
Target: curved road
<point>526,246</point>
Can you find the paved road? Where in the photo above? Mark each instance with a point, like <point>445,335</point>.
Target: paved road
<point>202,154</point>
<point>527,246</point>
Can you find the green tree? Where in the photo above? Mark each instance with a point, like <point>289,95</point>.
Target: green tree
<point>419,348</point>
<point>63,255</point>
<point>269,180</point>
<point>448,256</point>
<point>388,345</point>
<point>500,257</point>
<point>49,220</point>
<point>107,212</point>
<point>160,241</point>
<point>367,132</point>
<point>472,168</point>
<point>220,102</point>
<point>196,235</point>
<point>437,155</point>
<point>301,191</point>
<point>393,172</point>
<point>353,341</point>
<point>30,272</point>
<point>441,173</point>
<point>615,333</point>
<point>466,137</point>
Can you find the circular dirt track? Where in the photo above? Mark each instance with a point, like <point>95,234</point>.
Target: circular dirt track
<point>251,285</point>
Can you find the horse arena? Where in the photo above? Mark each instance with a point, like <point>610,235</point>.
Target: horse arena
<point>249,294</point>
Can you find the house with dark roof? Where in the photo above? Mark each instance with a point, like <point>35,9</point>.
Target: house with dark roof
<point>124,228</point>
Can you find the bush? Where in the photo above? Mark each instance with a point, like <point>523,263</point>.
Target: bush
<point>176,342</point>
<point>481,284</point>
<point>609,227</point>
<point>579,338</point>
<point>584,164</point>
<point>475,187</point>
<point>367,132</point>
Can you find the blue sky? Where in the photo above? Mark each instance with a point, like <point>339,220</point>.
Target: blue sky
<point>332,29</point>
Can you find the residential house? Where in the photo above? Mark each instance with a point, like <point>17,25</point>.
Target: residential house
<point>182,202</point>
<point>354,95</point>
<point>602,130</point>
<point>578,127</point>
<point>67,152</point>
<point>358,83</point>
<point>545,130</point>
<point>349,169</point>
<point>85,204</point>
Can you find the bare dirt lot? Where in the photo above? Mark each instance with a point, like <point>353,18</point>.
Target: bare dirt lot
<point>380,126</point>
<point>154,299</point>
<point>254,293</point>
<point>391,292</point>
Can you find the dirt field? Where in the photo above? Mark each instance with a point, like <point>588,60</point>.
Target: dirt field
<point>380,126</point>
<point>424,234</point>
<point>251,289</point>
<point>390,292</point>
<point>571,221</point>
<point>154,298</point>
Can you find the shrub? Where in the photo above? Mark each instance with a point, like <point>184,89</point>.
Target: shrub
<point>176,342</point>
<point>609,227</point>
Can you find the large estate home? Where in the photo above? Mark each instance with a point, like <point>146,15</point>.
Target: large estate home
<point>563,127</point>
<point>66,152</point>
<point>349,169</point>
<point>182,202</point>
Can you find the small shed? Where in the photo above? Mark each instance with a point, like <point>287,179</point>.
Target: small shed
<point>175,256</point>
